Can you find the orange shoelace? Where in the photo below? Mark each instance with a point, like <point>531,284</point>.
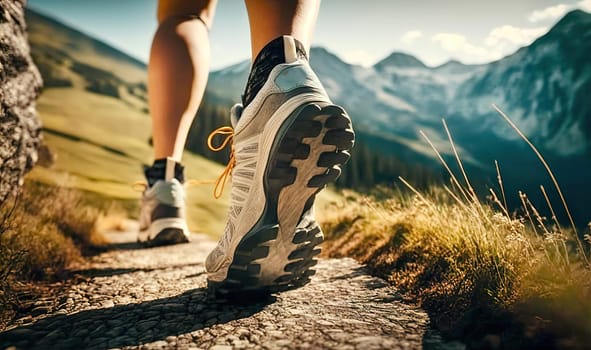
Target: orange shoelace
<point>221,181</point>
<point>228,134</point>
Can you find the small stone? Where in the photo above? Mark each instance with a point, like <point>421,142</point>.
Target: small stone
<point>268,324</point>
<point>107,304</point>
<point>221,347</point>
<point>240,344</point>
<point>372,342</point>
<point>276,334</point>
<point>242,333</point>
<point>283,343</point>
<point>159,344</point>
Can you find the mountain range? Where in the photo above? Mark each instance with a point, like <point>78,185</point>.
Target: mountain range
<point>543,87</point>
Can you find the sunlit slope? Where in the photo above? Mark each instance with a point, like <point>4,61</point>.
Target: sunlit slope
<point>101,144</point>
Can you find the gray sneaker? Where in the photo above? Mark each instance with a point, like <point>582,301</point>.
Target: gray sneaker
<point>162,213</point>
<point>288,143</point>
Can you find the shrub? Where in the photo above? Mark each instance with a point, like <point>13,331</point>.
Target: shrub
<point>42,232</point>
<point>478,268</point>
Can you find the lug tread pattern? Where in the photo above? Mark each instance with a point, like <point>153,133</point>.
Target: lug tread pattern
<point>312,121</point>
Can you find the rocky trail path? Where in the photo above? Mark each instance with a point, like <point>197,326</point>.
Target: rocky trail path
<point>154,298</point>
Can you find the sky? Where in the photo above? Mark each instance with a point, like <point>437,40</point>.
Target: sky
<point>360,32</point>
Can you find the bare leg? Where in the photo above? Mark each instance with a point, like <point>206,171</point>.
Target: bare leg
<point>270,19</point>
<point>177,72</point>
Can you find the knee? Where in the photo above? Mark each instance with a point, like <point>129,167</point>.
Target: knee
<point>204,9</point>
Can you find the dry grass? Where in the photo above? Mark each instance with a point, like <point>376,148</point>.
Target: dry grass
<point>42,232</point>
<point>113,218</point>
<point>488,275</point>
<point>475,269</point>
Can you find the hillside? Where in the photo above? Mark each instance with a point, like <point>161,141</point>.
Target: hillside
<point>95,119</point>
<point>68,45</point>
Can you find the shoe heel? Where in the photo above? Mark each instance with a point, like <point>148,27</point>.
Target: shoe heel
<point>169,236</point>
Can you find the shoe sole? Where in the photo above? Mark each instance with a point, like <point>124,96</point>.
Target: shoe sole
<point>169,236</point>
<point>313,143</point>
<point>169,231</point>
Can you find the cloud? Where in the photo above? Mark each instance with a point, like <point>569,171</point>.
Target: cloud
<point>457,43</point>
<point>411,36</point>
<point>554,12</point>
<point>584,5</point>
<point>549,13</point>
<point>504,40</point>
<point>513,36</point>
<point>499,42</point>
<point>359,57</point>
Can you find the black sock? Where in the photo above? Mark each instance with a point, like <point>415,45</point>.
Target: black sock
<point>158,171</point>
<point>271,55</point>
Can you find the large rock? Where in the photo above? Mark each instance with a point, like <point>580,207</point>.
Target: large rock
<point>20,84</point>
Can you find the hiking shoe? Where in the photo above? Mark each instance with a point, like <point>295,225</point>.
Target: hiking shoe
<point>162,213</point>
<point>288,143</point>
